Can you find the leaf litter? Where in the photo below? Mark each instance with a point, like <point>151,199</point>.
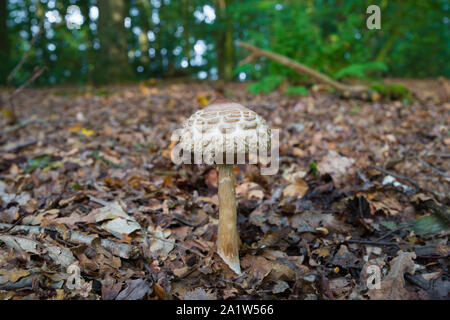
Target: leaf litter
<point>96,189</point>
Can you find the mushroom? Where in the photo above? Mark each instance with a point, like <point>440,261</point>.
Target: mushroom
<point>226,133</point>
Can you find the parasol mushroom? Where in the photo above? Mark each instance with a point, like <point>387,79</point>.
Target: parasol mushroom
<point>226,133</point>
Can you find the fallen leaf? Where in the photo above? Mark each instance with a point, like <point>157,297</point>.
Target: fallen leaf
<point>296,190</point>
<point>392,287</point>
<point>199,294</point>
<point>280,286</point>
<point>134,290</point>
<point>335,165</point>
<point>115,220</point>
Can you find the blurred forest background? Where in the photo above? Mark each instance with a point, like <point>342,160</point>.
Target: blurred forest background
<point>104,41</point>
<point>91,92</point>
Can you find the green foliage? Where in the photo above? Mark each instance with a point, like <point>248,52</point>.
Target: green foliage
<point>313,168</point>
<point>328,35</point>
<point>360,70</point>
<point>266,84</point>
<point>430,224</point>
<point>297,90</point>
<point>393,91</point>
<point>37,162</point>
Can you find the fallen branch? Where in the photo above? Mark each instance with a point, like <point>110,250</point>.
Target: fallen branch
<point>303,69</point>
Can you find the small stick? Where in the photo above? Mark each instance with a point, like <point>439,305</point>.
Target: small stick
<point>189,223</point>
<point>414,183</point>
<point>99,201</point>
<point>390,232</point>
<point>35,75</point>
<point>380,243</point>
<point>429,166</point>
<point>20,125</point>
<point>25,55</point>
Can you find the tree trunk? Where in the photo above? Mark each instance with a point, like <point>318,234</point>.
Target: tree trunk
<point>224,42</point>
<point>4,43</point>
<point>112,63</point>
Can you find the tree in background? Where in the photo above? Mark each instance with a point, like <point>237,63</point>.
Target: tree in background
<point>4,43</point>
<point>197,38</point>
<point>225,50</point>
<point>111,64</point>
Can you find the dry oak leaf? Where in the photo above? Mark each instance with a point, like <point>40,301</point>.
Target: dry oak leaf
<point>392,287</point>
<point>161,244</point>
<point>296,190</point>
<point>335,165</point>
<point>258,267</point>
<point>134,290</point>
<point>115,220</point>
<point>110,288</point>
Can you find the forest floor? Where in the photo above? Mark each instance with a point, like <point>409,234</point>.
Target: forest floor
<point>87,187</point>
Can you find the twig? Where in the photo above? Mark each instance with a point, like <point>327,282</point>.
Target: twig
<point>391,232</point>
<point>15,223</point>
<point>15,146</point>
<point>20,125</point>
<point>189,223</point>
<point>429,166</point>
<point>36,74</point>
<point>26,55</point>
<point>434,257</point>
<point>99,201</point>
<point>409,180</point>
<point>372,242</point>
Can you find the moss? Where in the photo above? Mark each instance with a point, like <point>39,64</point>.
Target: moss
<point>392,91</point>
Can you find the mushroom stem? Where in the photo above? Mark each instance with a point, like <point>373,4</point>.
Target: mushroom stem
<point>227,236</point>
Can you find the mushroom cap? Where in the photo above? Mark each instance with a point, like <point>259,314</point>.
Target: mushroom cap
<point>225,127</point>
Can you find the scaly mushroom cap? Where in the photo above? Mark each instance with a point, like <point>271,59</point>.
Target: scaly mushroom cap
<point>225,127</point>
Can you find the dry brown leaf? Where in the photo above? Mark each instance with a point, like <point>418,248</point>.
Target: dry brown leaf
<point>392,287</point>
<point>250,191</point>
<point>199,294</point>
<point>316,220</point>
<point>335,165</point>
<point>296,190</point>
